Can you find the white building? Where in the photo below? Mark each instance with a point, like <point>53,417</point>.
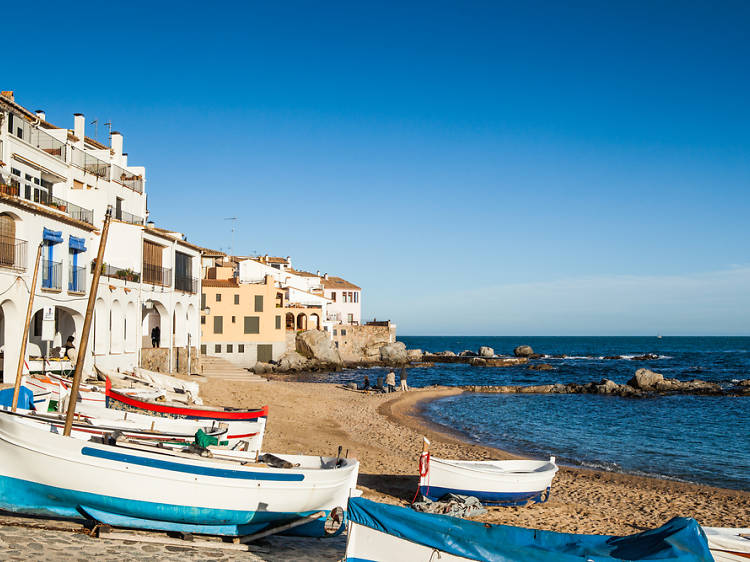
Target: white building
<point>55,187</point>
<point>345,303</point>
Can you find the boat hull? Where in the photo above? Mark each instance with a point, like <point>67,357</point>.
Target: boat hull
<point>51,475</point>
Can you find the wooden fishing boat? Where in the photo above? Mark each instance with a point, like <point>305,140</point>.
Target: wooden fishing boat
<point>90,394</point>
<point>174,388</point>
<point>154,488</point>
<point>728,544</point>
<point>389,533</point>
<point>118,400</point>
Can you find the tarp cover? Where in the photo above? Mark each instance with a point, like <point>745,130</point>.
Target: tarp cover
<point>681,539</point>
<point>25,398</point>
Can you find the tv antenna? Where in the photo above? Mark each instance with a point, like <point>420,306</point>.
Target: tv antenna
<point>95,123</point>
<point>234,226</point>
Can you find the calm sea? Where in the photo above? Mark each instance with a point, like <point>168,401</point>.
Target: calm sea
<point>688,438</point>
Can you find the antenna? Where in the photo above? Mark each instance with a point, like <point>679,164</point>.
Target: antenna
<point>95,123</point>
<point>108,124</point>
<point>234,225</point>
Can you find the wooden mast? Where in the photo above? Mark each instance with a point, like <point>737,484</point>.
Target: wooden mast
<point>87,325</point>
<point>22,356</point>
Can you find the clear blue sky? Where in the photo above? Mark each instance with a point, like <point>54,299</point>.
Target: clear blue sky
<point>479,168</point>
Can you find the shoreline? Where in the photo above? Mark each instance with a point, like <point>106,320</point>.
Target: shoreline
<point>384,432</point>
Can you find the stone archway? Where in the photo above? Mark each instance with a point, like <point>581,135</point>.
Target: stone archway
<point>302,321</point>
<point>10,339</point>
<point>68,322</point>
<point>179,329</point>
<point>192,323</point>
<point>289,321</point>
<point>315,320</point>
<point>131,327</point>
<point>116,328</point>
<point>154,314</point>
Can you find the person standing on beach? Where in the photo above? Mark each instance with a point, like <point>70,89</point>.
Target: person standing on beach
<point>402,376</point>
<point>390,382</point>
<point>366,386</point>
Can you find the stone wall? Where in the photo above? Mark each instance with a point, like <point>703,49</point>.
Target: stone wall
<point>362,343</point>
<point>157,359</point>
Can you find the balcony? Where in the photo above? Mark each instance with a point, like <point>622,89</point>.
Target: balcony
<point>13,189</point>
<point>12,253</point>
<point>124,216</point>
<point>126,274</point>
<point>36,137</point>
<point>76,279</point>
<point>51,275</point>
<point>157,275</point>
<point>89,163</point>
<point>76,212</point>
<point>186,284</point>
<point>128,179</point>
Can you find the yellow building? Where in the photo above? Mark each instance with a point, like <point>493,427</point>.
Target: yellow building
<point>241,322</point>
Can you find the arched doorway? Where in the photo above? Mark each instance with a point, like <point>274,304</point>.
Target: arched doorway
<point>192,324</point>
<point>101,327</point>
<point>131,327</point>
<point>10,338</point>
<point>315,320</point>
<point>302,322</point>
<point>154,314</point>
<point>8,241</point>
<point>179,328</point>
<point>289,321</point>
<point>68,322</point>
<point>117,328</point>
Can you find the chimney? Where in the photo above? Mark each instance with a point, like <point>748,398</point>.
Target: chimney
<point>325,276</point>
<point>8,94</point>
<point>41,114</point>
<point>289,261</point>
<point>116,142</point>
<point>79,126</point>
<point>318,273</point>
<point>150,224</point>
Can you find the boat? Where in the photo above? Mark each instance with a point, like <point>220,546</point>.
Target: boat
<point>148,487</point>
<point>389,533</point>
<point>117,399</point>
<point>728,544</point>
<point>174,388</point>
<point>91,394</point>
<point>514,482</point>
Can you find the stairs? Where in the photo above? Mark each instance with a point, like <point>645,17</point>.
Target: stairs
<point>218,368</point>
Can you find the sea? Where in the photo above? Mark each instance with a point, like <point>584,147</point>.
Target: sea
<point>700,439</point>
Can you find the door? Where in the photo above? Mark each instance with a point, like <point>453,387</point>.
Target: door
<point>265,353</point>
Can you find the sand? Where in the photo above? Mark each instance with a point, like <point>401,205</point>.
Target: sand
<point>385,433</point>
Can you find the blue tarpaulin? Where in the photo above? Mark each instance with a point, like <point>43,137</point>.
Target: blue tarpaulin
<point>681,539</point>
<point>77,244</point>
<point>25,398</point>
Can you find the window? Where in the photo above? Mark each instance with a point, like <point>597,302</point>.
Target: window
<point>203,301</point>
<point>350,318</point>
<point>278,322</point>
<point>230,348</point>
<point>334,331</point>
<point>258,303</point>
<point>234,319</point>
<point>15,172</point>
<point>337,344</point>
<point>343,332</point>
<point>241,348</point>
<point>218,297</point>
<point>333,296</point>
<point>203,349</point>
<point>217,348</point>
<point>203,319</point>
<point>252,324</point>
<point>356,296</point>
<point>27,192</point>
<point>77,184</point>
<point>236,299</point>
<point>218,324</point>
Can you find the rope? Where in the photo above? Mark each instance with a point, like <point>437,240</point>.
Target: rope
<point>424,470</point>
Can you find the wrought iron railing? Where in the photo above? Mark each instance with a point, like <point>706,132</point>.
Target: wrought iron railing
<point>72,209</point>
<point>12,253</point>
<point>36,137</point>
<point>185,283</point>
<point>51,274</point>
<point>90,163</point>
<point>128,179</point>
<point>76,279</point>
<point>157,275</point>
<point>10,189</point>
<point>128,217</point>
<point>124,273</point>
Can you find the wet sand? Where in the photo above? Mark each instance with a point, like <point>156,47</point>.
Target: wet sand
<point>385,433</point>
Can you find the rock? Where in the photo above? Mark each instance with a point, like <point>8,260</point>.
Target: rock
<point>541,367</point>
<point>505,361</point>
<point>612,357</point>
<point>423,364</point>
<point>536,389</point>
<point>485,351</point>
<point>262,368</point>
<point>645,379</point>
<point>523,351</point>
<point>292,361</point>
<point>467,353</point>
<point>645,357</point>
<point>414,354</point>
<point>315,344</point>
<point>607,387</point>
<point>394,353</point>
<point>742,383</point>
<point>445,354</point>
<point>352,386</point>
<point>478,362</point>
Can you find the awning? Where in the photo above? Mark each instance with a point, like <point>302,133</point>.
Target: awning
<point>52,236</point>
<point>77,244</point>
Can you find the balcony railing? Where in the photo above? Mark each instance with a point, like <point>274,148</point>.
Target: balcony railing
<point>36,137</point>
<point>10,189</point>
<point>156,275</point>
<point>90,163</point>
<point>12,253</point>
<point>126,274</point>
<point>128,179</point>
<point>51,275</point>
<point>128,217</point>
<point>185,283</point>
<point>72,209</point>
<point>76,279</point>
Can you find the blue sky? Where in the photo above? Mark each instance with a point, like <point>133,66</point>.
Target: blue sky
<point>479,168</point>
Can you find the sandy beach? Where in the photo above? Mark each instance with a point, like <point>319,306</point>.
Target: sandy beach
<point>385,433</point>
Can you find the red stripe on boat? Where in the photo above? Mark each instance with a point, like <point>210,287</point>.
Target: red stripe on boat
<point>242,436</point>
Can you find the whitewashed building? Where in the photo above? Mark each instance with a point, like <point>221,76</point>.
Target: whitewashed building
<point>55,187</point>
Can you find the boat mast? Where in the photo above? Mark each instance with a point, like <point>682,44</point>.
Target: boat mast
<point>22,356</point>
<point>87,325</point>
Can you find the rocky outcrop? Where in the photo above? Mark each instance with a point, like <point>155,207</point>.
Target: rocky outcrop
<point>467,353</point>
<point>316,345</point>
<point>445,354</point>
<point>262,368</point>
<point>541,367</point>
<point>645,379</point>
<point>485,351</point>
<point>414,354</point>
<point>523,351</point>
<point>292,361</point>
<point>394,353</point>
<point>645,357</point>
<point>498,361</point>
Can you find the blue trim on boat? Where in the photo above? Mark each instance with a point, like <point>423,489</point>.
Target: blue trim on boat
<point>488,498</point>
<point>31,498</point>
<point>190,468</point>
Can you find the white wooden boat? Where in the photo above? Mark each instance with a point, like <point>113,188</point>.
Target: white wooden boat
<point>174,388</point>
<point>59,388</point>
<point>52,475</point>
<point>728,544</point>
<point>513,482</point>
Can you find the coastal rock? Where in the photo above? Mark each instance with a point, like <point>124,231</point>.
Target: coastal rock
<point>423,364</point>
<point>607,387</point>
<point>467,353</point>
<point>414,354</point>
<point>262,368</point>
<point>612,357</point>
<point>445,354</point>
<point>505,361</point>
<point>523,351</point>
<point>645,379</point>
<point>394,353</point>
<point>485,351</point>
<point>292,361</point>
<point>541,367</point>
<point>645,357</point>
<point>742,383</point>
<point>478,362</point>
<point>315,344</point>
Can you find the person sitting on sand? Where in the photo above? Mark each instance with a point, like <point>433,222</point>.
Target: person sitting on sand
<point>390,382</point>
<point>402,375</point>
<point>366,386</point>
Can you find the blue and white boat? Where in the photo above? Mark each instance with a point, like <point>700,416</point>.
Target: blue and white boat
<point>513,482</point>
<point>47,474</point>
<point>388,533</point>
